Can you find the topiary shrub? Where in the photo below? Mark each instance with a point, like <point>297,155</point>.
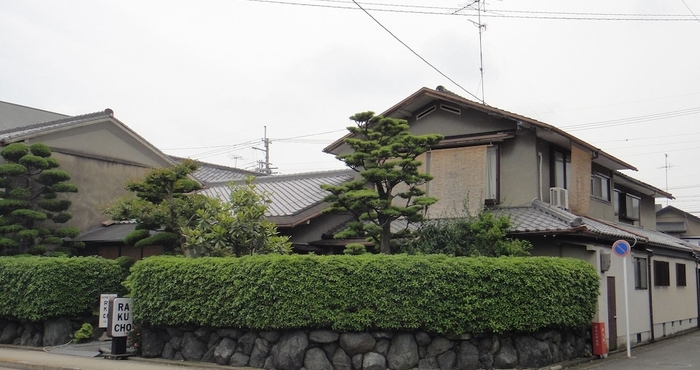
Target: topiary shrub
<point>355,249</point>
<point>135,236</point>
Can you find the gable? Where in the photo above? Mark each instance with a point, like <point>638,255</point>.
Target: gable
<point>103,138</point>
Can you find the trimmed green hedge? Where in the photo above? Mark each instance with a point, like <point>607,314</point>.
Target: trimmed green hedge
<point>39,288</point>
<point>369,292</point>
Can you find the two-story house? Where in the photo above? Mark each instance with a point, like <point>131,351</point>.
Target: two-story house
<point>567,197</point>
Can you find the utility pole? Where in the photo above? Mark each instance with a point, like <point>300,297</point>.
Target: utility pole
<point>265,166</point>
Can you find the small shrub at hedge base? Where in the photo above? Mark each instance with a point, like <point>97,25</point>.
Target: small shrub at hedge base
<point>39,288</point>
<point>83,334</point>
<point>438,294</point>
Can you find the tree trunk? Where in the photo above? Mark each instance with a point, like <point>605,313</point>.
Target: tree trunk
<point>385,238</point>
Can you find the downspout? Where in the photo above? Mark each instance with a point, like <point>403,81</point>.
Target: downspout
<point>697,286</point>
<point>539,154</point>
<point>651,301</point>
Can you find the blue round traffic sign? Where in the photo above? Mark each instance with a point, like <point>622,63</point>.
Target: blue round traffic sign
<point>621,248</point>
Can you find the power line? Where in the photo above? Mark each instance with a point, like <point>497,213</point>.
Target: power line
<point>631,120</point>
<point>517,14</point>
<point>416,54</point>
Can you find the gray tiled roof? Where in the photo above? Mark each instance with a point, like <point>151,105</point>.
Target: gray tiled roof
<point>289,194</point>
<point>208,173</point>
<point>112,232</point>
<point>13,116</point>
<point>21,131</point>
<point>542,218</point>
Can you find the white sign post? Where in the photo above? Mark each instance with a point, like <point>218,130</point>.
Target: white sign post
<point>120,318</point>
<point>622,249</point>
<point>104,309</point>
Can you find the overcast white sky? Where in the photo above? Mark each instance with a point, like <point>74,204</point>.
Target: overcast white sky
<point>201,78</point>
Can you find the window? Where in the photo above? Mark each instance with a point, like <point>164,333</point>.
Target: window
<point>640,272</point>
<point>661,274</point>
<point>561,169</point>
<point>680,274</point>
<point>491,193</point>
<point>626,206</point>
<point>629,207</point>
<point>600,187</point>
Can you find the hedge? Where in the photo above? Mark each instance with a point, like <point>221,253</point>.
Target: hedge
<point>39,288</point>
<point>437,294</point>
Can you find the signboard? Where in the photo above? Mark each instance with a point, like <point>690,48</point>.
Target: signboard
<point>621,248</point>
<point>120,318</point>
<point>104,309</point>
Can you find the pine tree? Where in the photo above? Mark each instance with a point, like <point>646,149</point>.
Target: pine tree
<point>32,205</point>
<point>384,154</point>
<point>163,203</point>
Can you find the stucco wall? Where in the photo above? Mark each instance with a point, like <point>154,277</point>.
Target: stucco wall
<point>99,182</point>
<point>519,170</point>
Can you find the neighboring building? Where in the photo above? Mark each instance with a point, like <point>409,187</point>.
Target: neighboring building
<point>296,206</point>
<point>566,196</point>
<point>99,152</point>
<point>679,224</point>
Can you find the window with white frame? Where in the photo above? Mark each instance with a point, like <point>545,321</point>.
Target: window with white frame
<point>561,169</point>
<point>600,187</point>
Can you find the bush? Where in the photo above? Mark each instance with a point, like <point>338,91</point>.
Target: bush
<point>437,294</point>
<point>38,288</point>
<point>83,334</point>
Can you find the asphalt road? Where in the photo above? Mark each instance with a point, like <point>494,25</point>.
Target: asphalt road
<point>681,352</point>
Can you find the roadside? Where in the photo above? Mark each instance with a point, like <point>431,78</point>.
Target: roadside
<point>677,351</point>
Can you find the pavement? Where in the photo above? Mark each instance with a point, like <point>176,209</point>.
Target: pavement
<point>88,357</point>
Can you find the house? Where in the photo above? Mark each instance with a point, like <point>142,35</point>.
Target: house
<point>107,239</point>
<point>566,196</point>
<point>678,223</point>
<point>296,206</point>
<point>99,152</point>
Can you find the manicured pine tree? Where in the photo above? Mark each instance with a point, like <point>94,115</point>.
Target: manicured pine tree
<point>384,154</point>
<point>32,205</point>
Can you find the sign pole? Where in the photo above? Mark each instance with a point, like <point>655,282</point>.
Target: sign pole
<point>627,307</point>
<point>622,248</point>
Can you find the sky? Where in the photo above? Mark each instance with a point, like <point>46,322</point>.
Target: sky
<point>209,79</point>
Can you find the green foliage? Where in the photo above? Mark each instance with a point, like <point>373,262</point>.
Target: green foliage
<point>83,334</point>
<point>436,293</point>
<point>235,228</point>
<point>31,200</point>
<point>166,239</point>
<point>480,235</point>
<point>136,235</point>
<point>14,152</point>
<point>34,161</point>
<point>384,153</point>
<point>163,201</point>
<point>40,150</point>
<point>355,249</point>
<point>39,288</point>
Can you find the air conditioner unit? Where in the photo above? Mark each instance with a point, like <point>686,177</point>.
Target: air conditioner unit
<point>559,197</point>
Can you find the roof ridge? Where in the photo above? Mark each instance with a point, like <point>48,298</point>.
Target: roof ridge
<point>105,113</point>
<point>564,215</point>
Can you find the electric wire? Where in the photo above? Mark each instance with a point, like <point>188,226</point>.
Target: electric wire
<point>497,13</point>
<point>416,54</point>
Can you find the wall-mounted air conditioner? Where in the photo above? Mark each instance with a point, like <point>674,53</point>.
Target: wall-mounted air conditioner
<point>559,197</point>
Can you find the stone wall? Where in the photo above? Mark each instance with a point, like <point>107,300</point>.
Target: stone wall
<point>49,333</point>
<point>329,350</point>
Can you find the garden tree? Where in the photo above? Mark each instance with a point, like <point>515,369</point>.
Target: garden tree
<point>237,227</point>
<point>31,207</point>
<point>384,154</point>
<point>164,202</point>
<point>466,235</point>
